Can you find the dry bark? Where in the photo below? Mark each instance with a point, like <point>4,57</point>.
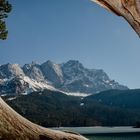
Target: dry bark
<point>15,127</point>
<point>129,9</point>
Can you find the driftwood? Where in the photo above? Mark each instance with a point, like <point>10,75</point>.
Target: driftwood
<point>129,9</point>
<point>15,127</point>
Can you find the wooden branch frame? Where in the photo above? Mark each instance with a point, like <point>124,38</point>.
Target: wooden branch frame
<point>129,9</point>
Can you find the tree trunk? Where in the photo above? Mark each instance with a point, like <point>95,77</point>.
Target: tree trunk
<point>129,9</point>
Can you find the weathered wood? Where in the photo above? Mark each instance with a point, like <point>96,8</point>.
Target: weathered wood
<point>129,9</point>
<point>15,127</point>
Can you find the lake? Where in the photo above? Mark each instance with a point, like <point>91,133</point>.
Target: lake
<point>105,133</point>
<point>114,137</point>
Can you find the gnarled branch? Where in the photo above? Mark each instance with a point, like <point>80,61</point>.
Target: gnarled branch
<point>129,9</point>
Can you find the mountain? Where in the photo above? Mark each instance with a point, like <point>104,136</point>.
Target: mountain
<point>8,71</point>
<point>53,108</point>
<point>52,72</point>
<point>33,71</point>
<point>69,77</point>
<point>77,78</point>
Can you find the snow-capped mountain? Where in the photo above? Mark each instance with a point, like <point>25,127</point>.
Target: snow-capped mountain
<point>33,71</point>
<point>53,73</point>
<point>10,70</point>
<point>80,79</point>
<point>22,85</point>
<point>69,77</point>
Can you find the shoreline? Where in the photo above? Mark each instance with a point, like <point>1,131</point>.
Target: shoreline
<point>101,130</point>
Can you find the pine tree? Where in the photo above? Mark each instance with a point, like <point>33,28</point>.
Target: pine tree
<point>5,8</point>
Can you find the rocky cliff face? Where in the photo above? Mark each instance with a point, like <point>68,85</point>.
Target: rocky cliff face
<point>10,70</point>
<point>33,71</point>
<point>52,72</point>
<point>71,76</point>
<point>77,78</point>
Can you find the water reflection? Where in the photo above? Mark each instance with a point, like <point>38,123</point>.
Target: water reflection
<point>115,137</point>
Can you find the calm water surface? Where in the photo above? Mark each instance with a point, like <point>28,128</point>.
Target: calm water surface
<point>115,137</point>
<point>106,133</point>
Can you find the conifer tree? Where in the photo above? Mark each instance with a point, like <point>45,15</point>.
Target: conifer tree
<point>5,8</point>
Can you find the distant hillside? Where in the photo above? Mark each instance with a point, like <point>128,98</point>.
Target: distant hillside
<point>53,108</point>
<point>70,77</point>
<point>127,99</point>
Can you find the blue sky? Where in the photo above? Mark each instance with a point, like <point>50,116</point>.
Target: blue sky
<point>60,30</point>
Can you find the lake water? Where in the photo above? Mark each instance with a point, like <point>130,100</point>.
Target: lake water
<point>114,137</point>
<point>105,133</point>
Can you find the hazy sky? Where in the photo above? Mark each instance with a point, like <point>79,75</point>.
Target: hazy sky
<point>60,30</point>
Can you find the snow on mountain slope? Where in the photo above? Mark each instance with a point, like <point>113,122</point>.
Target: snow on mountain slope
<point>33,71</point>
<point>37,85</point>
<point>23,84</point>
<point>70,77</point>
<point>10,70</point>
<point>76,94</point>
<point>77,78</point>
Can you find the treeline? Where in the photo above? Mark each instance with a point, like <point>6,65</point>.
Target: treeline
<point>54,109</point>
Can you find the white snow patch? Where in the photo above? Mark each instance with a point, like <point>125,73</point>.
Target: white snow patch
<point>25,93</point>
<point>82,104</point>
<point>76,94</point>
<point>12,98</point>
<point>58,70</point>
<point>3,95</point>
<point>38,85</point>
<point>40,93</point>
<point>86,85</point>
<point>107,81</point>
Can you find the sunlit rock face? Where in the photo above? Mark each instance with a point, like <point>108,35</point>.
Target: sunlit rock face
<point>71,77</point>
<point>33,71</point>
<point>52,72</point>
<point>10,70</point>
<point>77,78</point>
<point>129,9</point>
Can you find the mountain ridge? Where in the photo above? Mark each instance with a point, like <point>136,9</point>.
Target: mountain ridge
<point>70,76</point>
